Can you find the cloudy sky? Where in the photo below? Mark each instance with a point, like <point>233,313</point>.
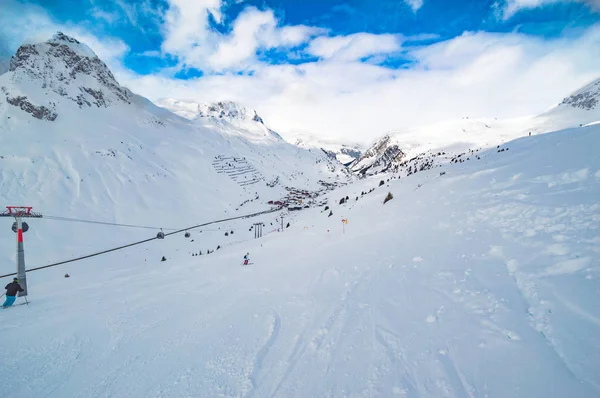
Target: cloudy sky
<point>340,69</point>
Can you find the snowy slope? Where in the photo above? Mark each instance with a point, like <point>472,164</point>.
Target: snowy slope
<point>452,136</point>
<point>74,143</point>
<point>480,282</point>
<point>578,109</point>
<point>459,136</point>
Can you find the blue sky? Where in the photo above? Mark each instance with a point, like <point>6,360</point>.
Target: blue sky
<point>325,60</point>
<point>138,23</point>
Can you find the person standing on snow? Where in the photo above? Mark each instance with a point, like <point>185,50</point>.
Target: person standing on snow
<point>11,292</point>
<point>246,258</point>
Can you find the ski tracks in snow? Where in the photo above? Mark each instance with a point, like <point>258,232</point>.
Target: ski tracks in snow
<point>258,373</point>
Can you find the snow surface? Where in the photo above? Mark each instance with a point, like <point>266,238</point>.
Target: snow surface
<point>480,282</point>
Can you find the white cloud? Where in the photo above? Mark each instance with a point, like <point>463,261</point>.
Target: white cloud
<point>415,5</point>
<point>187,31</point>
<point>109,17</point>
<point>189,36</point>
<point>476,75</point>
<point>509,8</point>
<point>354,47</point>
<point>252,30</point>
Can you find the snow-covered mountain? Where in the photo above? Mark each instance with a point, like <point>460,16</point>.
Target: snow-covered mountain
<point>74,142</point>
<point>245,118</point>
<point>65,67</point>
<point>458,136</point>
<point>461,136</point>
<point>227,112</point>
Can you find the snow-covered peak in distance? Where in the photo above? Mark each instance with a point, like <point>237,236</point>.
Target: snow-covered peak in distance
<point>65,68</point>
<point>454,136</point>
<point>228,110</point>
<point>245,121</point>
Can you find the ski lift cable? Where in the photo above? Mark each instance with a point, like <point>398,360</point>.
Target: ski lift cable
<point>144,241</point>
<point>57,218</point>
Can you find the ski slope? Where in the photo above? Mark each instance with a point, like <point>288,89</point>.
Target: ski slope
<point>483,281</point>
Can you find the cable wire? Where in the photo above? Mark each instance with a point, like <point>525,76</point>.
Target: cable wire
<point>57,218</point>
<point>145,240</point>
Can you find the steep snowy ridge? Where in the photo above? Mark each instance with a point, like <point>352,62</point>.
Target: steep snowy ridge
<point>379,158</point>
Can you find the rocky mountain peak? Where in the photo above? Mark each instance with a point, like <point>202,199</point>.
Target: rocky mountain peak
<point>380,157</point>
<point>586,98</point>
<point>65,67</point>
<point>228,110</point>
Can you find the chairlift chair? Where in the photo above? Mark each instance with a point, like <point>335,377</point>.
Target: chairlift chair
<point>160,235</point>
<point>187,234</point>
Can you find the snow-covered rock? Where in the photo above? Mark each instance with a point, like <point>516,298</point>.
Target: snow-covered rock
<point>379,158</point>
<point>61,69</point>
<point>228,110</point>
<point>456,136</point>
<point>587,98</point>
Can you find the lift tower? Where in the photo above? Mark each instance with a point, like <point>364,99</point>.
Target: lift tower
<point>19,227</point>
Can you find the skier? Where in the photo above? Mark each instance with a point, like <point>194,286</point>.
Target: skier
<point>11,292</point>
<point>246,258</point>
